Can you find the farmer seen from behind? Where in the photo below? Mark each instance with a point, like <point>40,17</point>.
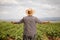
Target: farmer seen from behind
<point>29,25</point>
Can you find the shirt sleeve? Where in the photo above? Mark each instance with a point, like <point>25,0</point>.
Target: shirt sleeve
<point>21,21</point>
<point>37,20</point>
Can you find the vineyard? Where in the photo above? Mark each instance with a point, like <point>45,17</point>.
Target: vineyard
<point>48,31</point>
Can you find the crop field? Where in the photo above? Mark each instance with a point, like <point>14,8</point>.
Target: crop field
<point>48,31</point>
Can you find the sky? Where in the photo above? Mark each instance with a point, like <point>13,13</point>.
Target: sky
<point>15,9</point>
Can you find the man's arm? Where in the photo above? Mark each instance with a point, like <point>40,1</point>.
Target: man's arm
<point>43,22</point>
<point>21,21</point>
<point>40,22</point>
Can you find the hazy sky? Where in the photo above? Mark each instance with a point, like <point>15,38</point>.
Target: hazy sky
<point>15,9</point>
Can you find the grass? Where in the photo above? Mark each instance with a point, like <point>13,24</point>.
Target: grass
<point>16,30</point>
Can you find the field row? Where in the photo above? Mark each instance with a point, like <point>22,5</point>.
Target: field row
<point>44,31</point>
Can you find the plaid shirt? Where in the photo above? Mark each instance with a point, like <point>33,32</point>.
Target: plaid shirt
<point>29,25</point>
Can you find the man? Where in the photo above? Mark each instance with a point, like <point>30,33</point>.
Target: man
<point>29,25</point>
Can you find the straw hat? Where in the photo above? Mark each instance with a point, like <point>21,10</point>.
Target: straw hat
<point>29,11</point>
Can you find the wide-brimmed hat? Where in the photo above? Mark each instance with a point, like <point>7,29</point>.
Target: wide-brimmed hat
<point>29,9</point>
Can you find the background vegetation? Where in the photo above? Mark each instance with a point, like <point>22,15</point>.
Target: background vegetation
<point>48,31</point>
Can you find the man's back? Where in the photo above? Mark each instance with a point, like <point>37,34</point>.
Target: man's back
<point>29,25</point>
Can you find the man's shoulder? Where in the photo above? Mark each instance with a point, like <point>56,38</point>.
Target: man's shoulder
<point>28,17</point>
<point>24,16</point>
<point>34,16</point>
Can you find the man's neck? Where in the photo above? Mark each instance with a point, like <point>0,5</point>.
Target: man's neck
<point>29,15</point>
